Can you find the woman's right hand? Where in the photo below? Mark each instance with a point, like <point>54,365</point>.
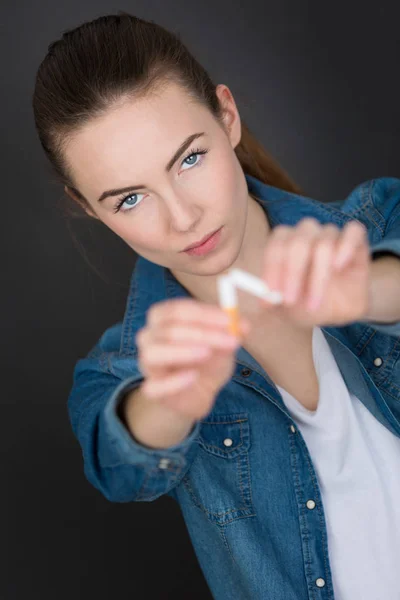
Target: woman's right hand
<point>186,354</point>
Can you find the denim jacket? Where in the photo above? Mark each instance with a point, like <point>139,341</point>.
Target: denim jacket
<point>245,505</point>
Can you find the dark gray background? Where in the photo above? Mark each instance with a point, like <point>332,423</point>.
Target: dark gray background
<point>318,82</point>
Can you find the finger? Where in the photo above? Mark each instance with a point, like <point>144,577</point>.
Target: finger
<point>321,267</point>
<point>167,386</point>
<point>299,255</point>
<point>207,336</point>
<point>160,356</point>
<point>274,257</point>
<point>186,310</point>
<point>354,234</point>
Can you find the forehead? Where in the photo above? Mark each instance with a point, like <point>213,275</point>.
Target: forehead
<point>132,139</point>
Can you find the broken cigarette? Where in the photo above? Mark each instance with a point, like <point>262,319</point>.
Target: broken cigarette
<point>227,295</point>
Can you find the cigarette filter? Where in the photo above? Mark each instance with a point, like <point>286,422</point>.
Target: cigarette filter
<point>227,284</point>
<point>228,302</point>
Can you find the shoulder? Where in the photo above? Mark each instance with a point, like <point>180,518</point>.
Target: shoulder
<point>374,200</point>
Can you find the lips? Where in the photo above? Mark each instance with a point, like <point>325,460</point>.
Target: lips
<point>196,244</point>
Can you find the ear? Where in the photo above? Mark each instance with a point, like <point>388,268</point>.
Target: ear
<point>75,198</point>
<point>231,117</point>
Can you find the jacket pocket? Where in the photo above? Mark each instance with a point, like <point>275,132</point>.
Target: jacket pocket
<point>219,479</point>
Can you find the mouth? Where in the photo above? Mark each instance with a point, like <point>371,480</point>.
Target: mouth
<point>202,241</point>
<point>211,242</point>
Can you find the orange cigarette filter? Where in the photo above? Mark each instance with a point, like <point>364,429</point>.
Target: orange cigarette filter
<point>228,299</point>
<point>234,322</point>
<point>229,303</point>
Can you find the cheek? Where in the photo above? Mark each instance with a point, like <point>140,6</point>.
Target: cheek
<point>136,237</point>
<point>224,182</point>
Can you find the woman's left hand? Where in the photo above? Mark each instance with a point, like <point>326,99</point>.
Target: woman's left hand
<point>311,262</point>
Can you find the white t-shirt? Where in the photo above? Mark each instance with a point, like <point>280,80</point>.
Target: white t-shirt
<point>357,461</point>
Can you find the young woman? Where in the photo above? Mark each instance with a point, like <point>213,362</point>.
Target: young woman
<point>282,447</point>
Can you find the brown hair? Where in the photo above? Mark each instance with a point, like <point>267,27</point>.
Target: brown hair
<point>116,56</point>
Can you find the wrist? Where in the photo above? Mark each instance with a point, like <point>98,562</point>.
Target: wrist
<point>384,290</point>
<point>152,424</point>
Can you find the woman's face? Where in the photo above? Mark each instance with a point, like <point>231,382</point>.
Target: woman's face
<point>175,206</point>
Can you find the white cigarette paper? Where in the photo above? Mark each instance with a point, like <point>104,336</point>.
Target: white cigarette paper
<point>226,292</point>
<point>227,284</point>
<point>254,285</point>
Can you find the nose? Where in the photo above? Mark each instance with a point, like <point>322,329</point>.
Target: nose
<point>184,214</point>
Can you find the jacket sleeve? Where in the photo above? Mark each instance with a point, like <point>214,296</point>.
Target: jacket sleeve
<point>114,463</point>
<point>384,209</point>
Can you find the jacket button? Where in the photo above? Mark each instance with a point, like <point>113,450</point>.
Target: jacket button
<point>310,504</point>
<point>293,428</point>
<point>164,463</point>
<point>378,361</point>
<point>320,582</point>
<point>246,372</point>
<point>228,442</point>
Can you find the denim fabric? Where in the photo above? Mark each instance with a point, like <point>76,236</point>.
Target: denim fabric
<point>244,504</point>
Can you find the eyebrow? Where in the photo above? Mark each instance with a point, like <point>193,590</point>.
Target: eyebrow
<point>169,166</point>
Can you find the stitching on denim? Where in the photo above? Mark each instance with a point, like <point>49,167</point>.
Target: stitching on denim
<point>203,442</point>
<point>206,510</point>
<point>127,332</point>
<point>367,342</point>
<point>239,470</point>
<point>225,541</point>
<point>187,483</point>
<point>224,422</point>
<point>247,503</point>
<point>169,483</point>
<point>367,202</point>
<point>302,519</point>
<point>143,487</point>
<point>249,482</point>
<point>392,385</point>
<point>384,380</point>
<point>251,367</point>
<point>318,506</point>
<point>396,387</point>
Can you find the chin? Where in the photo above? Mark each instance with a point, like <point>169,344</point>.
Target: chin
<point>220,264</point>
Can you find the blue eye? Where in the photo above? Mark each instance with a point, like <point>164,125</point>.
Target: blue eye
<point>189,157</point>
<point>128,199</point>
